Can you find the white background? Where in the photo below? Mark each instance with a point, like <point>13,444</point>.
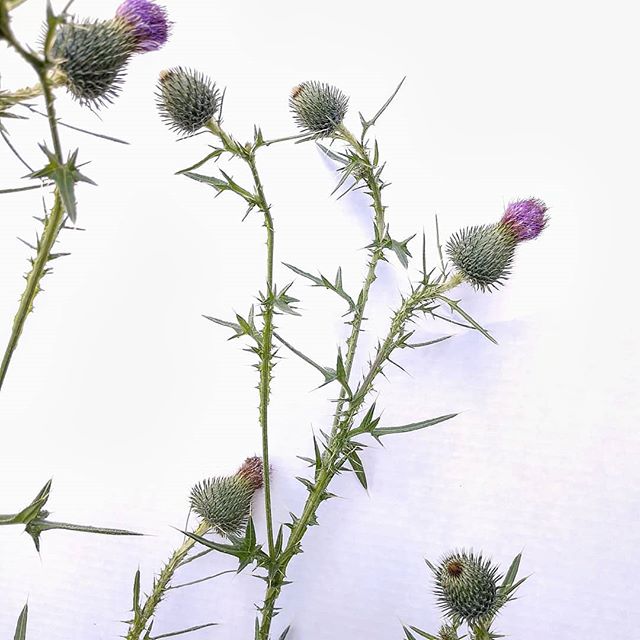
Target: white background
<point>126,396</point>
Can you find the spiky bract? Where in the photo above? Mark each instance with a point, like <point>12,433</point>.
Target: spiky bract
<point>92,56</point>
<point>224,503</point>
<point>467,587</point>
<point>483,254</point>
<point>148,22</point>
<point>447,632</point>
<point>318,108</point>
<point>186,99</point>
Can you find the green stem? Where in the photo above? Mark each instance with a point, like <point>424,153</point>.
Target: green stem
<point>247,154</point>
<point>331,459</point>
<point>266,347</point>
<point>52,226</point>
<point>143,615</point>
<point>335,446</point>
<point>55,220</point>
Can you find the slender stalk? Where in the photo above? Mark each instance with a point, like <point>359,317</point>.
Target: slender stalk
<point>144,614</point>
<point>53,224</point>
<point>266,354</point>
<point>247,154</point>
<point>55,221</point>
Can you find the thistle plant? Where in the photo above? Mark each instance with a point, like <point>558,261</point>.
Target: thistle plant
<point>189,103</point>
<point>89,59</point>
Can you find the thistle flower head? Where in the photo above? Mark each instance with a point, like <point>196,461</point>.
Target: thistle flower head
<point>147,21</point>
<point>525,218</point>
<point>225,503</point>
<point>318,108</point>
<point>467,587</point>
<point>483,255</point>
<point>92,57</point>
<point>186,99</point>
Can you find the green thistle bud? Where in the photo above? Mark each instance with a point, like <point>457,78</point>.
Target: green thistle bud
<point>92,57</point>
<point>225,503</point>
<point>318,108</point>
<point>483,255</point>
<point>447,632</point>
<point>467,587</point>
<point>186,99</point>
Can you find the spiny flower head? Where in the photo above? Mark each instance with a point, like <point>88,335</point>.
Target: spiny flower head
<point>525,218</point>
<point>186,99</point>
<point>225,503</point>
<point>318,108</point>
<point>467,587</point>
<point>148,22</point>
<point>92,55</point>
<point>483,255</point>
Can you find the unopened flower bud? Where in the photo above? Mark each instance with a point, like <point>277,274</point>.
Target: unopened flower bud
<point>467,587</point>
<point>447,632</point>
<point>225,503</point>
<point>318,108</point>
<point>186,99</point>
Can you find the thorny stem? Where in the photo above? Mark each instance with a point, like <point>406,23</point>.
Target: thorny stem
<point>333,456</point>
<point>144,614</point>
<point>266,354</point>
<point>247,154</point>
<point>53,224</point>
<point>55,221</point>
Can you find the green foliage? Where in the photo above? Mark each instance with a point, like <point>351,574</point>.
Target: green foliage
<point>21,626</point>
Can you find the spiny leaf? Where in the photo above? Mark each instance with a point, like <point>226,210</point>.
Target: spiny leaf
<point>453,304</point>
<point>369,123</point>
<point>358,468</point>
<point>21,626</point>
<point>183,631</point>
<point>214,154</point>
<point>31,511</point>
<point>378,432</point>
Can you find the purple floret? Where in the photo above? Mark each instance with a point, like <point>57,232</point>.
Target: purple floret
<point>148,21</point>
<point>526,218</point>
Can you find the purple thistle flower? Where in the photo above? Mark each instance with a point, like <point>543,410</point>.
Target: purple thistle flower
<point>148,22</point>
<point>525,218</point>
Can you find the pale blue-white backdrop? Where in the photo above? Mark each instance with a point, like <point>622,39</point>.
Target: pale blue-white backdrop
<point>126,396</point>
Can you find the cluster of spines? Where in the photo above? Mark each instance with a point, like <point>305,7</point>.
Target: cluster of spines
<point>187,99</point>
<point>467,587</point>
<point>318,108</point>
<point>225,503</point>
